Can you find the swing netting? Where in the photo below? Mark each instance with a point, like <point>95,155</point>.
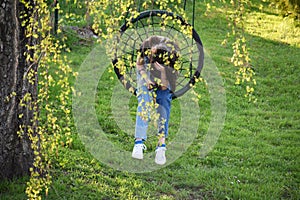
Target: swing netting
<point>133,32</point>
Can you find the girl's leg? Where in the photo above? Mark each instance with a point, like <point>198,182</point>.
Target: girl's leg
<point>143,112</point>
<point>163,98</point>
<point>142,118</point>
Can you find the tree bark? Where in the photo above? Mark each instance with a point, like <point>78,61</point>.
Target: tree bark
<point>16,155</point>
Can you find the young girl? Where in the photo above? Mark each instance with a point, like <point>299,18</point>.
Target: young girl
<point>156,80</point>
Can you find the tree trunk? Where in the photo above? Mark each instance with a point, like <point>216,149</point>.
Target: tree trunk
<point>16,155</point>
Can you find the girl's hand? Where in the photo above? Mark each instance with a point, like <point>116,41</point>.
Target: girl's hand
<point>150,85</point>
<point>159,67</point>
<point>144,75</point>
<point>163,77</point>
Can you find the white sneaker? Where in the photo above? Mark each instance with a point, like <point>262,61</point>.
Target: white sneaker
<point>137,151</point>
<point>160,157</point>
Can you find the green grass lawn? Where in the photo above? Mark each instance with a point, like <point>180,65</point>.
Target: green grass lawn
<point>257,153</point>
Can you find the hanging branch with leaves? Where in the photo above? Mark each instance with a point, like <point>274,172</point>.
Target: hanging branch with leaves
<point>241,58</point>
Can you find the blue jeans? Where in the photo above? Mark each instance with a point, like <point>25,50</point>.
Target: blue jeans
<point>145,99</point>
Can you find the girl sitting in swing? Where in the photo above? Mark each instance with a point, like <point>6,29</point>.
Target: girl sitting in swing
<point>156,81</point>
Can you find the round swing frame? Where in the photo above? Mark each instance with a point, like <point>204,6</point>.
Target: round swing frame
<point>195,69</point>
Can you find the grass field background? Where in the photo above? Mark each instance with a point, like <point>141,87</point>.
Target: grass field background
<point>257,153</point>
